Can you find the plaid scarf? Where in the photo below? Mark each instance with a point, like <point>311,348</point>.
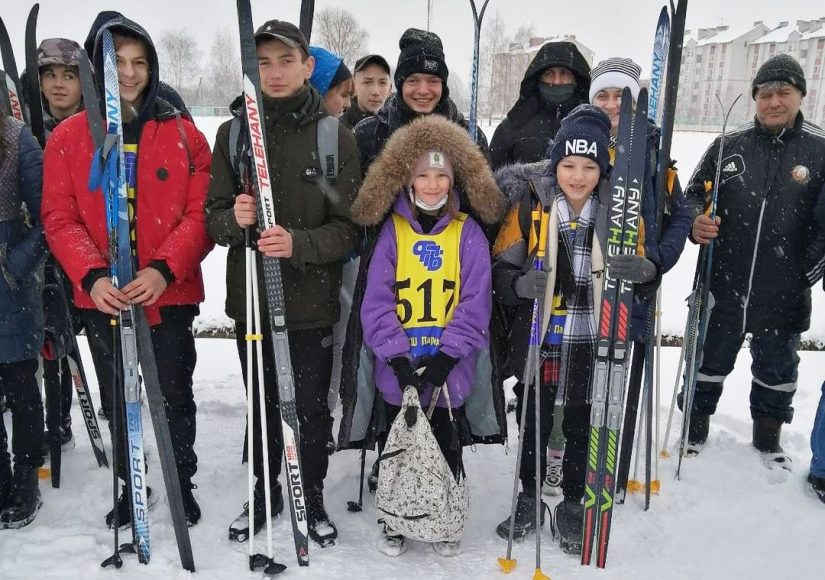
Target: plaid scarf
<point>573,277</point>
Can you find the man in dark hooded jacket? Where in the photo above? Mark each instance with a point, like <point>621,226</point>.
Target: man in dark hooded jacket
<point>556,82</point>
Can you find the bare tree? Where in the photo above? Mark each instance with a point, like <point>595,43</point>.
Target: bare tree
<point>524,33</point>
<point>339,32</point>
<point>459,92</point>
<point>494,40</point>
<point>179,57</point>
<point>224,71</point>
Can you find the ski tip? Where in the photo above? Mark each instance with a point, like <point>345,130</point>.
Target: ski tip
<point>539,575</point>
<point>507,565</point>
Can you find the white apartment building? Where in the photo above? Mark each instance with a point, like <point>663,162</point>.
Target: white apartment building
<point>724,60</point>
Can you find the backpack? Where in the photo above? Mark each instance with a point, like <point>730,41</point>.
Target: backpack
<point>417,494</point>
<point>326,133</point>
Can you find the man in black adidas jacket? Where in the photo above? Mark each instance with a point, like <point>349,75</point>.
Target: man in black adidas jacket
<point>767,253</point>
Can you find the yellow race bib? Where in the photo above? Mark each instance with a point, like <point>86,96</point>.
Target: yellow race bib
<point>427,282</point>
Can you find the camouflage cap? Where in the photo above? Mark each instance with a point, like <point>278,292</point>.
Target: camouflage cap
<point>58,51</point>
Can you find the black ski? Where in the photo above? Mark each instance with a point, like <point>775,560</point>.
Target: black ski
<point>273,285</point>
<point>12,84</point>
<point>478,17</point>
<point>32,87</point>
<point>307,16</point>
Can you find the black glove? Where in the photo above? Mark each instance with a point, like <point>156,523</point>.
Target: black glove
<point>632,268</point>
<point>531,285</point>
<point>437,367</point>
<point>404,371</point>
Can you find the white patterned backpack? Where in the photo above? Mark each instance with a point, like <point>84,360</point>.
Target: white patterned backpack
<point>417,495</point>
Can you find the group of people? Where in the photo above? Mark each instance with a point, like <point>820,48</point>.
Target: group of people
<point>405,250</point>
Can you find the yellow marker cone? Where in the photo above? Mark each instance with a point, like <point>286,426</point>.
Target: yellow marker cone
<point>539,575</point>
<point>635,486</point>
<point>507,565</point>
<point>44,472</point>
<point>655,486</point>
<point>664,454</point>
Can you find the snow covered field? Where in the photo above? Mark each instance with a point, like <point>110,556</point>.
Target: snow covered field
<point>728,519</point>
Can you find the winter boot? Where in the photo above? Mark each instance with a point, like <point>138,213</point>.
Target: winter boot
<point>190,504</point>
<point>552,482</point>
<point>322,530</point>
<point>817,486</point>
<point>24,502</point>
<point>239,529</point>
<point>372,478</point>
<point>569,521</point>
<point>766,434</point>
<point>525,521</point>
<point>124,512</point>
<point>6,480</point>
<point>390,543</point>
<point>698,432</point>
<point>447,549</point>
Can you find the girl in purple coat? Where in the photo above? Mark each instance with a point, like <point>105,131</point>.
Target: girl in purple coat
<point>427,301</point>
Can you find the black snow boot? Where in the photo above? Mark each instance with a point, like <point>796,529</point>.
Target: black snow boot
<point>817,486</point>
<point>6,480</point>
<point>322,530</point>
<point>124,512</point>
<point>569,521</point>
<point>24,502</point>
<point>525,521</point>
<point>239,528</point>
<point>698,432</point>
<point>766,434</point>
<point>190,504</point>
<point>372,478</point>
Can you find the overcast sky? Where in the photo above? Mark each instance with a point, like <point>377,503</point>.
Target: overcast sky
<point>610,28</point>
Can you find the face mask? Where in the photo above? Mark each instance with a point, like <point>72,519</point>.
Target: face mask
<point>427,207</point>
<point>553,95</point>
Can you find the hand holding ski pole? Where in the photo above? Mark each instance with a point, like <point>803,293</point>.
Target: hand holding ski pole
<point>244,210</point>
<point>632,268</point>
<point>108,298</point>
<point>705,229</point>
<point>276,242</point>
<point>146,288</point>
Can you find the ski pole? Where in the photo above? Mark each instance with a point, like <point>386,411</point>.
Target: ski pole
<point>357,506</point>
<point>253,320</point>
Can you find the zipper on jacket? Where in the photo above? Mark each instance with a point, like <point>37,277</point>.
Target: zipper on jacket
<point>753,266</point>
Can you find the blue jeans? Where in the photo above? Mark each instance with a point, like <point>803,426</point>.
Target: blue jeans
<point>774,370</point>
<point>818,439</point>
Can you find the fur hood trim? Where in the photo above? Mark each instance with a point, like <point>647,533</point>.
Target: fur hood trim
<point>387,176</point>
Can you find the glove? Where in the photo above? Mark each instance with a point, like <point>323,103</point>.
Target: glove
<point>531,285</point>
<point>632,268</point>
<point>437,367</point>
<point>406,374</point>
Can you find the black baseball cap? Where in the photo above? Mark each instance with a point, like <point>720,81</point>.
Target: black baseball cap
<point>365,61</point>
<point>285,32</point>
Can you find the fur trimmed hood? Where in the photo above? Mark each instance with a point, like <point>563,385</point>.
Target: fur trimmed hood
<point>387,176</point>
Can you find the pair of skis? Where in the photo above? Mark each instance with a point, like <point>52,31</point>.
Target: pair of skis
<point>627,179</point>
<point>33,114</point>
<point>274,291</point>
<point>666,66</point>
<point>133,334</point>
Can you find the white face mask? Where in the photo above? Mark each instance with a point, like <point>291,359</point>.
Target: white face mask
<point>427,207</point>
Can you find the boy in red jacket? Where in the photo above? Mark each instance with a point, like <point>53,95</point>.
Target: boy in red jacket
<point>167,174</point>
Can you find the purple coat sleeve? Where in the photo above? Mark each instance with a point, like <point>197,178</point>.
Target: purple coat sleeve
<point>383,333</point>
<point>469,330</point>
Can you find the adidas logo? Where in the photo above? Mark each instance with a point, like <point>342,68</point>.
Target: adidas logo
<point>730,167</point>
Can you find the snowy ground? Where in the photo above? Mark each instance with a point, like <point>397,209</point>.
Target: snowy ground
<point>728,519</point>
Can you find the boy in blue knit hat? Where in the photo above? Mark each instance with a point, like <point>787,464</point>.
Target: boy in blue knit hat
<point>571,190</point>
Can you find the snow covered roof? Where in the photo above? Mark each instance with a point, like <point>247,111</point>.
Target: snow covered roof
<point>813,34</point>
<point>777,35</point>
<point>725,36</point>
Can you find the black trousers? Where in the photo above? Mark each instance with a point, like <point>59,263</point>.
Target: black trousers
<point>446,434</point>
<point>311,355</point>
<point>575,426</point>
<point>19,383</point>
<point>174,346</point>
